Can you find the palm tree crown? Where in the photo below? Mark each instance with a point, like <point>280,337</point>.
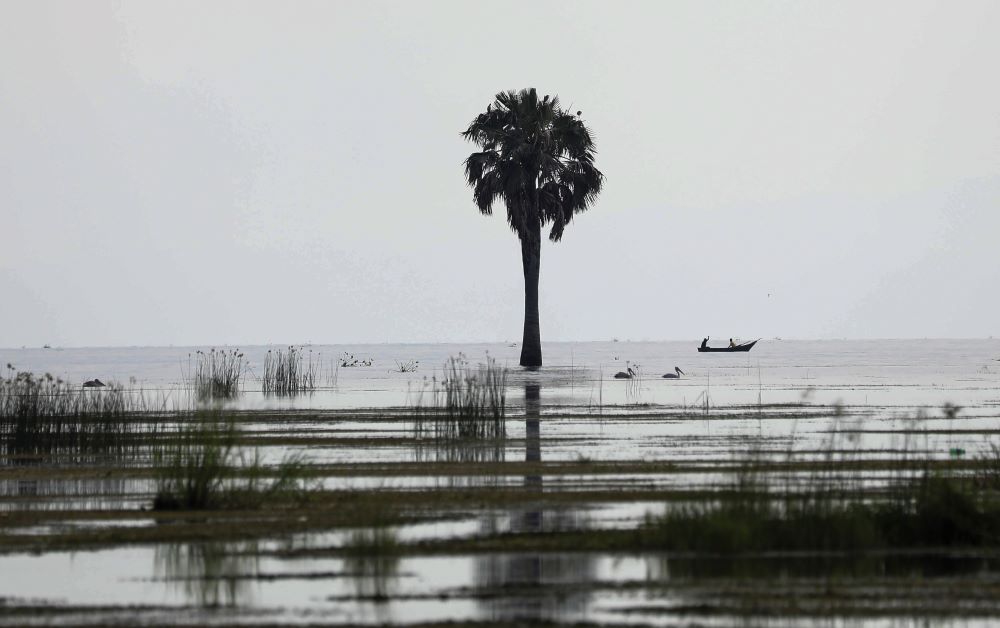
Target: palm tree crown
<point>536,158</point>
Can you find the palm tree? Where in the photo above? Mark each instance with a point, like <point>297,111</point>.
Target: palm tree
<point>538,159</point>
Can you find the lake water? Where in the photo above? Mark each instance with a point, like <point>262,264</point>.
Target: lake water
<point>781,394</point>
<point>880,374</point>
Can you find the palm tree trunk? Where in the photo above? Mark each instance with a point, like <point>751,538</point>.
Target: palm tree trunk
<point>531,343</point>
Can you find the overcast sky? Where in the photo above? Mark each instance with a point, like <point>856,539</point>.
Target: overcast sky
<point>249,172</point>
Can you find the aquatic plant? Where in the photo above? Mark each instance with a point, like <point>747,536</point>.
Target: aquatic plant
<point>633,384</point>
<point>987,472</point>
<point>831,509</point>
<point>201,466</point>
<point>932,511</point>
<point>290,372</point>
<point>408,366</point>
<point>466,403</point>
<point>218,374</point>
<point>192,467</point>
<point>43,413</point>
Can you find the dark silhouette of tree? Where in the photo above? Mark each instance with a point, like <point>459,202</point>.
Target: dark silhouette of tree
<point>538,160</point>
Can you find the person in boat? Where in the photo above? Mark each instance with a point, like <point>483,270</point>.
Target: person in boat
<point>732,345</point>
<point>704,343</point>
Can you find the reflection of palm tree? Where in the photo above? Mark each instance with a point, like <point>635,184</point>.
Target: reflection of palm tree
<point>532,449</point>
<point>523,579</point>
<point>532,431</point>
<point>538,159</point>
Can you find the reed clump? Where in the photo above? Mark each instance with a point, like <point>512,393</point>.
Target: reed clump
<point>831,509</point>
<point>933,511</point>
<point>467,403</point>
<point>291,371</point>
<point>986,475</point>
<point>42,413</point>
<point>407,366</point>
<point>201,466</point>
<point>218,374</point>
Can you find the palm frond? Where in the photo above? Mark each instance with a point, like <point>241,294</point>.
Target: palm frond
<point>536,158</point>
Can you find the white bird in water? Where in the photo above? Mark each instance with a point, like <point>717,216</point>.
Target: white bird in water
<point>675,375</point>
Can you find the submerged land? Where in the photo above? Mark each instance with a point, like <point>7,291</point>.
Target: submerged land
<point>808,483</point>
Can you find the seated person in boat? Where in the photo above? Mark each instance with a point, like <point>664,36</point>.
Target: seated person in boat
<point>732,345</point>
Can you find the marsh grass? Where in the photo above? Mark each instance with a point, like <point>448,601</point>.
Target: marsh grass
<point>218,374</point>
<point>43,414</point>
<point>203,467</point>
<point>834,508</point>
<point>933,511</point>
<point>407,366</point>
<point>633,385</point>
<point>987,473</point>
<point>467,403</point>
<point>290,372</point>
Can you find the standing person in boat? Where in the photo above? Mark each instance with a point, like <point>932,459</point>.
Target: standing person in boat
<point>704,343</point>
<point>732,345</point>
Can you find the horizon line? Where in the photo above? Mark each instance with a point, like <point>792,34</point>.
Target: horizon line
<point>477,342</point>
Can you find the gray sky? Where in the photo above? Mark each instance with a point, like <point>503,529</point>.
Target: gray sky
<point>246,172</point>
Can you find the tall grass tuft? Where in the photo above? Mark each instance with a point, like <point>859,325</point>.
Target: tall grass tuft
<point>467,403</point>
<point>833,508</point>
<point>987,471</point>
<point>407,366</point>
<point>218,374</point>
<point>290,372</point>
<point>202,467</point>
<point>43,414</point>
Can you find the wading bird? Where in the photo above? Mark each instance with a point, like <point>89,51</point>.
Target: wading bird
<point>675,375</point>
<point>628,373</point>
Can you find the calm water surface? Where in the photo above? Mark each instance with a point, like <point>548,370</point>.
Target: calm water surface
<point>780,390</point>
<point>876,373</point>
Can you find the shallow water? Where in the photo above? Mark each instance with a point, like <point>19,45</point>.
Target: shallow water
<point>231,582</point>
<point>787,399</point>
<point>873,373</point>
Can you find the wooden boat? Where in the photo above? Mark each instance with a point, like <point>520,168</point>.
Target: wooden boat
<point>746,346</point>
